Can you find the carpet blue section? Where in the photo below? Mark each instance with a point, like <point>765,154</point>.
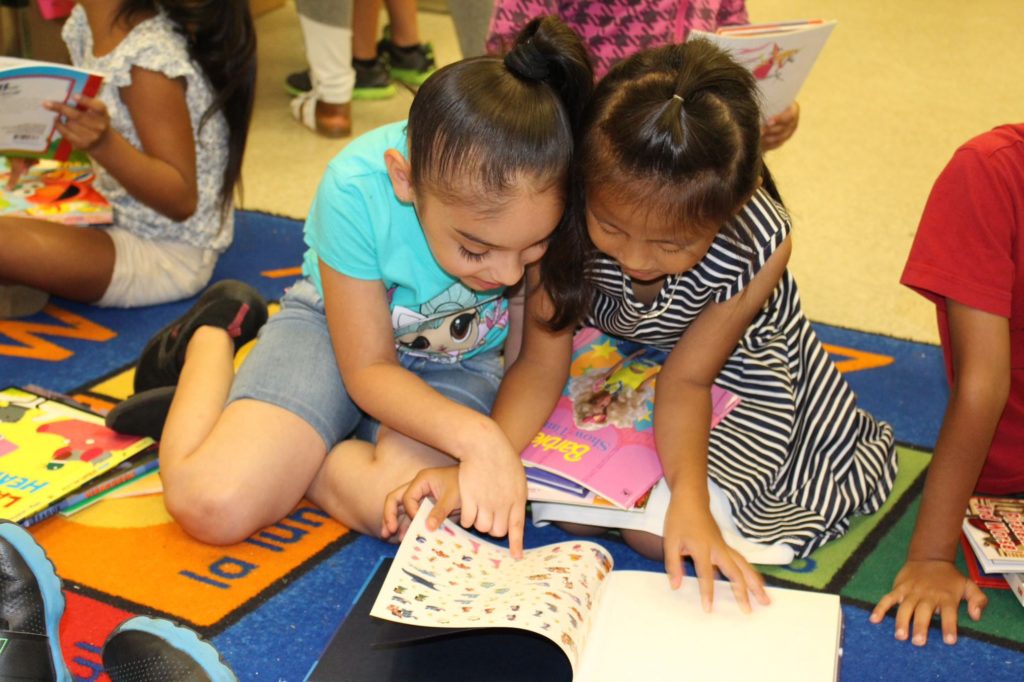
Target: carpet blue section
<point>262,242</point>
<point>910,393</point>
<point>870,652</point>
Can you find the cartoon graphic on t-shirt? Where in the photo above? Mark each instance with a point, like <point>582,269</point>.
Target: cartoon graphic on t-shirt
<point>450,325</point>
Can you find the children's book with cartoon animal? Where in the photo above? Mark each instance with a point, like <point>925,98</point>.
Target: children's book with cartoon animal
<point>50,449</point>
<point>59,192</point>
<point>779,55</point>
<point>601,432</point>
<point>26,127</point>
<point>455,607</point>
<point>994,526</point>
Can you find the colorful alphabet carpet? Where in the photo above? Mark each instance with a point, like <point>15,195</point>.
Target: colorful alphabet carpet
<point>270,604</point>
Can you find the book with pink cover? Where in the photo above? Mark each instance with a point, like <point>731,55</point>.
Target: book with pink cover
<point>601,433</point>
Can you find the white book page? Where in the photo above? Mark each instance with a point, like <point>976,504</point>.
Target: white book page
<point>780,62</point>
<point>645,631</point>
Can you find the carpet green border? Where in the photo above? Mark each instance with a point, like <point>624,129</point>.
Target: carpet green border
<point>1001,619</point>
<point>822,567</point>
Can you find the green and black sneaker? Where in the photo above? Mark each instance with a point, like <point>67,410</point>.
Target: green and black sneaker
<point>408,65</point>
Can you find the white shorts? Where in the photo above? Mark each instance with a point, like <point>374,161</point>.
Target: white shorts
<point>147,271</point>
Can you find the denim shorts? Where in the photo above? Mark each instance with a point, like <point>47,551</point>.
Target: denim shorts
<point>293,367</point>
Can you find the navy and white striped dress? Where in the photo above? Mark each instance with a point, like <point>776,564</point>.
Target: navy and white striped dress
<point>796,457</point>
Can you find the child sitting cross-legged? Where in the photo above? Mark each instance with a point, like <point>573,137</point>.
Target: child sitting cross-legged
<point>678,240</point>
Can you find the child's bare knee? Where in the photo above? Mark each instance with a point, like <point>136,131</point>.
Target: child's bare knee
<point>213,514</point>
<point>647,545</point>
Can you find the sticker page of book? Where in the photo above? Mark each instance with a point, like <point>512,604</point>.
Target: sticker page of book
<point>451,578</point>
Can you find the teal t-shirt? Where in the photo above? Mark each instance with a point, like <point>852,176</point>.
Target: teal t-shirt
<point>358,227</point>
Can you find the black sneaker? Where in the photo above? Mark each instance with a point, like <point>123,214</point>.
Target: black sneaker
<point>410,65</point>
<point>156,650</point>
<point>229,304</point>
<point>372,80</point>
<point>31,606</point>
<point>298,83</point>
<point>142,414</point>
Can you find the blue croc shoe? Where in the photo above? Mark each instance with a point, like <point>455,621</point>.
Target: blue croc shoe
<point>144,649</point>
<point>31,606</point>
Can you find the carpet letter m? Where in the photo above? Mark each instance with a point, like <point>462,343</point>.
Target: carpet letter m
<point>31,344</point>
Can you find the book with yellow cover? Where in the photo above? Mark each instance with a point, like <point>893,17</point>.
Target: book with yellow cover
<point>50,448</point>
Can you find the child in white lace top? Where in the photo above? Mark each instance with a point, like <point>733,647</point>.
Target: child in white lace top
<point>167,133</point>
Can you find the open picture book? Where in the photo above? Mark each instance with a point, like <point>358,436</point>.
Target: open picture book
<point>55,191</point>
<point>50,449</point>
<point>600,435</point>
<point>452,606</point>
<point>780,55</point>
<point>26,128</point>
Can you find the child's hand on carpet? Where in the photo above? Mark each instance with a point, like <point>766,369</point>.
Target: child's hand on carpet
<point>921,589</point>
<point>400,506</point>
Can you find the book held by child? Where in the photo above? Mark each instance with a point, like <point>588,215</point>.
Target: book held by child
<point>458,607</point>
<point>26,127</point>
<point>779,55</point>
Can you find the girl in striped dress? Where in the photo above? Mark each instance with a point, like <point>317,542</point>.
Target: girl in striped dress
<point>683,242</point>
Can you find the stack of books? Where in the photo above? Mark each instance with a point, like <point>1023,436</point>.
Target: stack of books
<point>56,455</point>
<point>993,532</point>
<point>595,461</point>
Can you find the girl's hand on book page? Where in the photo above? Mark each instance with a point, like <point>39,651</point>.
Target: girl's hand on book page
<point>780,127</point>
<point>440,483</point>
<point>692,530</point>
<point>924,588</point>
<point>493,485</point>
<point>17,167</point>
<point>84,125</point>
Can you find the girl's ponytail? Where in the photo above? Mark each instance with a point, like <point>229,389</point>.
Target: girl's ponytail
<point>547,50</point>
<point>222,40</point>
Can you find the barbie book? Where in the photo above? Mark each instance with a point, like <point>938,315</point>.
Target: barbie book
<point>59,192</point>
<point>50,449</point>
<point>601,433</point>
<point>779,55</point>
<point>452,606</point>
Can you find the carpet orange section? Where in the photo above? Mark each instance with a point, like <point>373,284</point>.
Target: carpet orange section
<point>130,548</point>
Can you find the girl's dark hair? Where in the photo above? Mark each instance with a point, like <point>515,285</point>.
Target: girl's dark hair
<point>674,132</point>
<point>222,40</point>
<point>478,125</point>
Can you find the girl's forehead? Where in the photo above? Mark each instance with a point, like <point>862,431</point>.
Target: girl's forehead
<point>641,220</point>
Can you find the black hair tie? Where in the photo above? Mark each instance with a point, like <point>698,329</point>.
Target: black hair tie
<point>527,62</point>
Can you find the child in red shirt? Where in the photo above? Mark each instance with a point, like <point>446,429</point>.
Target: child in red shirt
<point>968,258</point>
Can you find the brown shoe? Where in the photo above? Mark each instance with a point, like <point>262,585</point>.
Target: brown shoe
<point>329,120</point>
<point>334,120</point>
